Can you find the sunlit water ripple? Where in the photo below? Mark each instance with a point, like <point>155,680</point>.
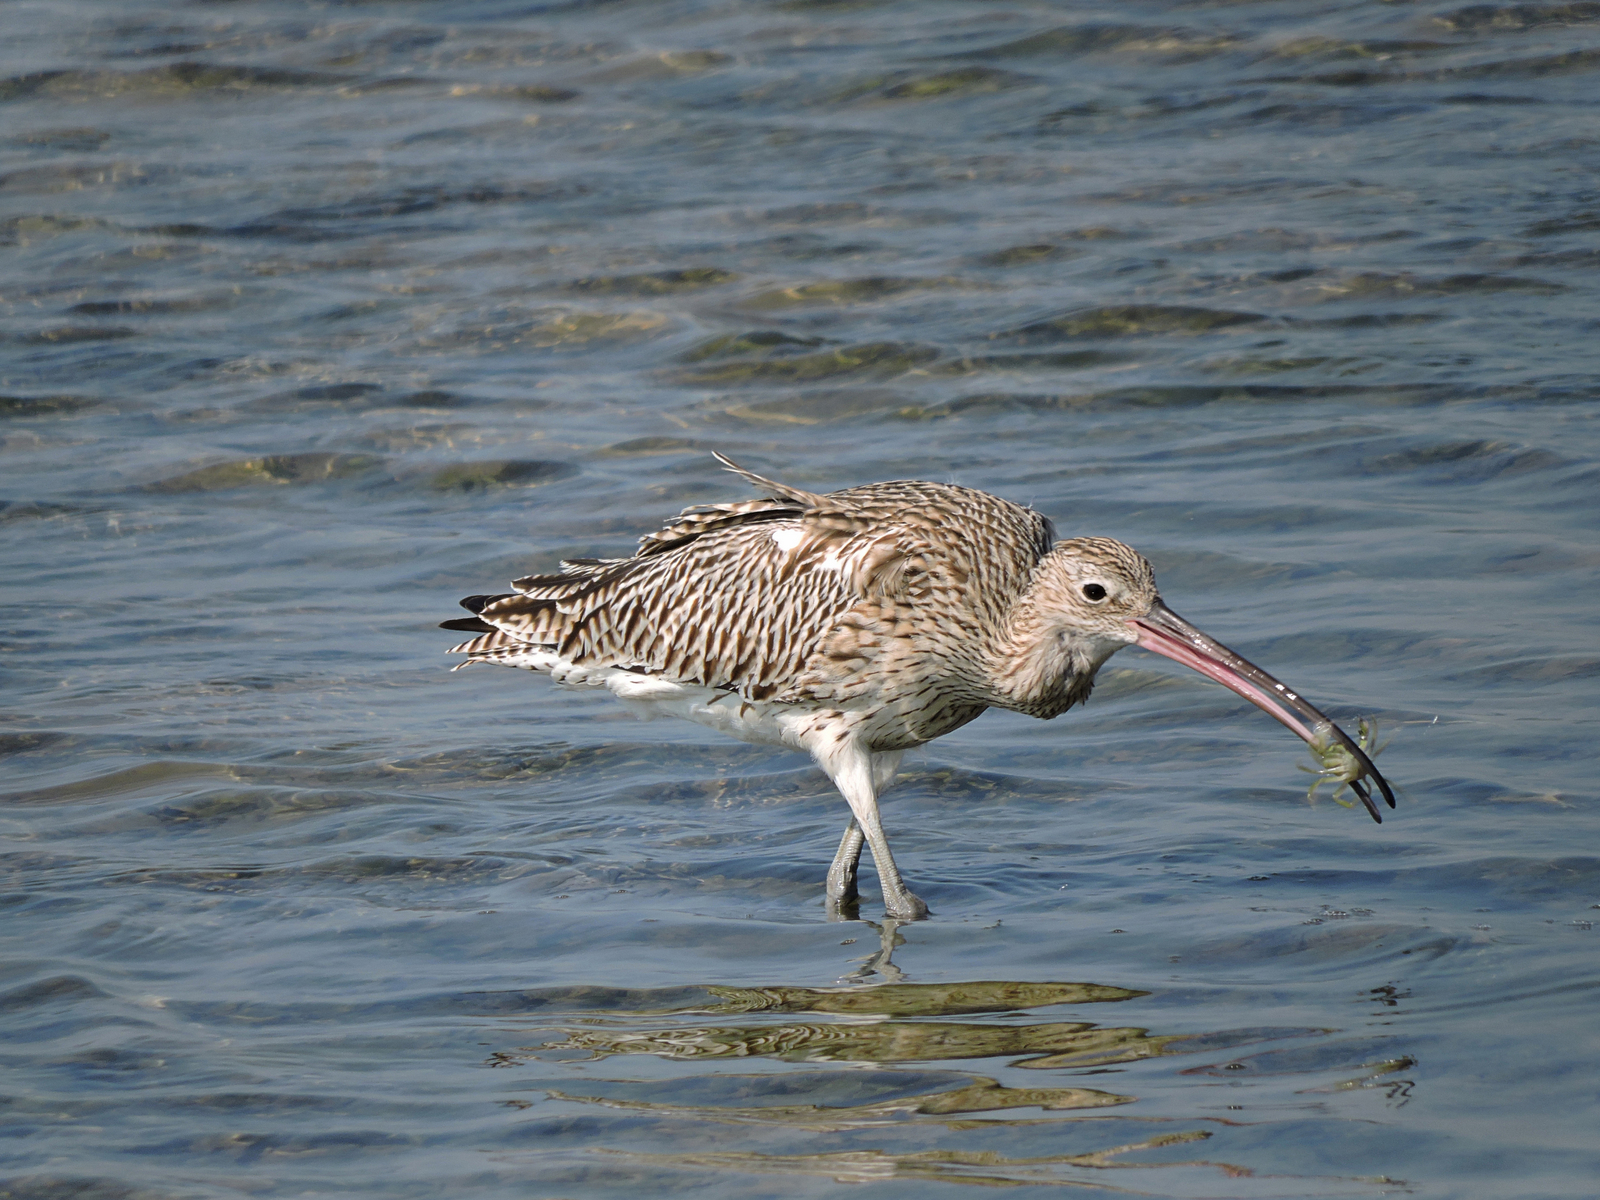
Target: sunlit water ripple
<point>315,318</point>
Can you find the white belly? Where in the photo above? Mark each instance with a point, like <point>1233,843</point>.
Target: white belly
<point>651,696</point>
<point>726,712</point>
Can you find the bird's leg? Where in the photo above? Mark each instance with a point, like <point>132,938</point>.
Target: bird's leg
<point>851,768</point>
<point>842,874</point>
<point>885,766</point>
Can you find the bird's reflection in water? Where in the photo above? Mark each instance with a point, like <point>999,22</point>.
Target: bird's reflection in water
<point>876,1056</point>
<point>880,963</point>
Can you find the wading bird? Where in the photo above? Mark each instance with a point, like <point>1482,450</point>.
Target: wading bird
<point>860,624</point>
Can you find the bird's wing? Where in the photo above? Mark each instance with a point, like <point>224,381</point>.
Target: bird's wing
<point>728,595</point>
<point>759,596</point>
<point>736,603</point>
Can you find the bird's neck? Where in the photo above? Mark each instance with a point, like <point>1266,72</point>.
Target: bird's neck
<point>1038,667</point>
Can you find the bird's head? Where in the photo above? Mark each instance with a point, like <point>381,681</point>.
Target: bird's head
<point>1097,585</point>
<point>1102,596</point>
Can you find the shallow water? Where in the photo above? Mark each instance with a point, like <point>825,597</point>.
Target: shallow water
<point>319,317</point>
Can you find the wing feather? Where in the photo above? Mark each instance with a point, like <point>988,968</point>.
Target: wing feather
<point>769,595</point>
<point>770,488</point>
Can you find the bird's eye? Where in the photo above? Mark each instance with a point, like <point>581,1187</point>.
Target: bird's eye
<point>1093,591</point>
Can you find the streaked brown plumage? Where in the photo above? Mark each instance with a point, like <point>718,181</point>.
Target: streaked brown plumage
<point>857,625</point>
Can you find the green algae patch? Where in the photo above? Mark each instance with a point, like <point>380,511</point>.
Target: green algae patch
<point>495,473</point>
<point>1250,365</point>
<point>578,329</point>
<point>71,334</point>
<point>399,439</point>
<point>647,446</point>
<point>275,470</point>
<point>173,80</point>
<point>941,85</point>
<point>865,290</point>
<point>653,283</point>
<point>1066,40</point>
<point>1099,233</point>
<point>1398,284</point>
<point>534,93</point>
<point>1323,47</point>
<point>1027,360</point>
<point>1025,256</point>
<point>1129,320</point>
<point>668,64</point>
<point>761,342</point>
<point>29,228</point>
<point>559,329</point>
<point>44,406</point>
<point>823,407</point>
<point>874,360</point>
<point>1478,18</point>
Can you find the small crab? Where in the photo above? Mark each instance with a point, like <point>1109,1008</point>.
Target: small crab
<point>1335,762</point>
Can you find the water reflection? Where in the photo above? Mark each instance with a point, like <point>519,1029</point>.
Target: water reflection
<point>898,1023</point>
<point>945,1166</point>
<point>1069,1043</point>
<point>880,962</point>
<point>973,1094</point>
<point>931,1119</point>
<point>1361,1054</point>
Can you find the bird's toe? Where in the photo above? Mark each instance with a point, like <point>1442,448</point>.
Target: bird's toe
<point>906,907</point>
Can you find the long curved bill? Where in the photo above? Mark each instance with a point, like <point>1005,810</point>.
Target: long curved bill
<point>1165,632</point>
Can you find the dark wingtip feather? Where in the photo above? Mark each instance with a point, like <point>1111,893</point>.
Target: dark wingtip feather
<point>468,625</point>
<point>476,604</point>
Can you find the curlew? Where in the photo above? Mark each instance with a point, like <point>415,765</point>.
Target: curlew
<point>860,624</point>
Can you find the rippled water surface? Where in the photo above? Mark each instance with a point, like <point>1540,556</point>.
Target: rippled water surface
<point>317,317</point>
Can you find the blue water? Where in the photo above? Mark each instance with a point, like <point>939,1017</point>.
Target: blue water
<point>315,318</point>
